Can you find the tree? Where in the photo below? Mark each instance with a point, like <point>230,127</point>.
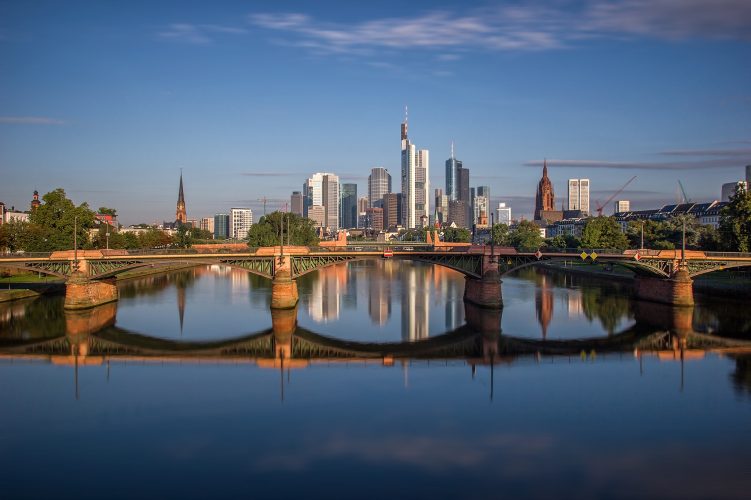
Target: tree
<point>526,237</point>
<point>154,238</point>
<point>456,235</point>
<point>735,222</point>
<point>183,237</point>
<point>107,211</point>
<point>499,235</point>
<point>603,232</point>
<point>563,241</point>
<point>269,230</point>
<point>58,216</point>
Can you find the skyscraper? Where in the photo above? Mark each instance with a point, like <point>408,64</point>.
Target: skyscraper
<point>544,198</point>
<point>390,210</point>
<point>296,203</point>
<point>240,220</point>
<point>578,195</point>
<point>379,183</point>
<point>452,164</point>
<point>349,206</point>
<point>180,214</point>
<point>415,181</point>
<point>331,201</point>
<point>503,214</point>
<point>463,194</point>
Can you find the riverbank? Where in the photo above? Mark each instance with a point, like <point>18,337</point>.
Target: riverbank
<point>11,295</point>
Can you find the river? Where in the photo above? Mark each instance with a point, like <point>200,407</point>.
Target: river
<point>381,383</point>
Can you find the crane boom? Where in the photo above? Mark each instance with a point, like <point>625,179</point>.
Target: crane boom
<point>600,207</point>
<point>683,191</point>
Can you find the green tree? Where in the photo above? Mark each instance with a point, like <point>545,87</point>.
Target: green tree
<point>183,238</point>
<point>200,234</point>
<point>526,237</point>
<point>57,216</point>
<point>499,234</point>
<point>271,227</point>
<point>456,235</point>
<point>21,235</point>
<point>107,211</point>
<point>603,232</point>
<point>154,238</point>
<point>735,222</point>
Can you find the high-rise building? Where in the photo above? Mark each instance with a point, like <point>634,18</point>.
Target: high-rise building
<point>221,226</point>
<point>374,218</point>
<point>180,214</point>
<point>544,198</point>
<point>481,215</point>
<point>452,164</point>
<point>578,195</point>
<point>748,175</point>
<point>503,214</point>
<point>441,206</point>
<point>240,220</point>
<point>349,206</point>
<point>415,181</point>
<point>379,183</point>
<point>296,203</point>
<point>391,210</point>
<point>331,201</point>
<point>622,206</point>
<point>729,189</point>
<point>458,213</point>
<point>317,214</point>
<point>207,224</point>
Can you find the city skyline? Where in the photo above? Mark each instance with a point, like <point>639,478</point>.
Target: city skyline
<point>119,99</point>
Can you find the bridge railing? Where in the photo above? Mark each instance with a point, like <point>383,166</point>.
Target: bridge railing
<point>720,255</point>
<point>24,255</point>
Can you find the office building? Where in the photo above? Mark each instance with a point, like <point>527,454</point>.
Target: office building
<point>391,215</point>
<point>317,213</point>
<point>503,214</point>
<point>379,183</point>
<point>296,203</point>
<point>374,219</point>
<point>221,226</point>
<point>322,189</point>
<point>452,164</point>
<point>480,208</point>
<point>415,181</point>
<point>240,220</point>
<point>622,206</point>
<point>578,195</point>
<point>349,206</point>
<point>458,213</point>
<point>207,224</point>
<point>729,189</point>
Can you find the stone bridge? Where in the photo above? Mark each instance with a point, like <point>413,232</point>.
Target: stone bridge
<point>662,276</point>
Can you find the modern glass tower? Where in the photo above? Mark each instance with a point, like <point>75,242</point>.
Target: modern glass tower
<point>349,206</point>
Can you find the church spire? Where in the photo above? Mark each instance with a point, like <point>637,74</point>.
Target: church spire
<point>545,167</point>
<point>180,214</point>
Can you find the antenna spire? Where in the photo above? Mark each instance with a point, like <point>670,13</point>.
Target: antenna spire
<point>452,149</point>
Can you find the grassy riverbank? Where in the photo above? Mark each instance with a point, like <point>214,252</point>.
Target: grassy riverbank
<point>11,295</point>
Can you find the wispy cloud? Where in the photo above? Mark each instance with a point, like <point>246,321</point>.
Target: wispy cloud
<point>197,34</point>
<point>517,27</point>
<point>272,174</point>
<point>30,120</point>
<point>709,152</point>
<point>716,163</point>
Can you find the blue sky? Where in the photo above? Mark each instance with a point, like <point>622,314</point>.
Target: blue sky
<point>109,100</point>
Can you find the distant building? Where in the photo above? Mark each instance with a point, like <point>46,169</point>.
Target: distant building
<point>181,216</point>
<point>463,194</point>
<point>728,189</point>
<point>207,224</point>
<point>296,203</point>
<point>240,220</point>
<point>415,181</point>
<point>622,206</point>
<point>374,219</point>
<point>317,214</point>
<point>707,213</point>
<point>503,214</point>
<point>221,226</point>
<point>452,164</point>
<point>349,206</point>
<point>441,206</point>
<point>458,211</point>
<point>481,217</point>
<point>748,175</point>
<point>35,200</point>
<point>578,195</point>
<point>544,198</point>
<point>391,215</point>
<point>379,183</point>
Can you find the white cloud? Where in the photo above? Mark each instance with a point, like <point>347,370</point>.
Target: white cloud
<point>197,34</point>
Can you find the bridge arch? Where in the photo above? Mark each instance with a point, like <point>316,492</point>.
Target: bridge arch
<point>466,264</point>
<point>639,268</point>
<point>260,267</point>
<point>719,268</point>
<point>58,270</point>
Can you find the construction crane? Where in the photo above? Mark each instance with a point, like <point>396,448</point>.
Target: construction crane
<point>683,192</point>
<point>600,207</point>
<point>265,200</point>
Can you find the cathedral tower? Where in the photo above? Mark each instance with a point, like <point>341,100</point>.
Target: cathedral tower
<point>545,199</point>
<point>180,215</point>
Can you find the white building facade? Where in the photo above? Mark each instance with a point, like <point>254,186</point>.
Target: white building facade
<point>578,195</point>
<point>240,220</point>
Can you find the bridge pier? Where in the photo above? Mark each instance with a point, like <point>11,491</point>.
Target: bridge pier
<point>83,293</point>
<point>484,292</point>
<point>283,288</point>
<point>677,290</point>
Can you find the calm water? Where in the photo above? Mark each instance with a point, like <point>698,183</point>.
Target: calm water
<point>393,389</point>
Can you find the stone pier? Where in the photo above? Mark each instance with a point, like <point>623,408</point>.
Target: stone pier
<point>83,293</point>
<point>486,291</point>
<point>677,290</point>
<point>283,288</point>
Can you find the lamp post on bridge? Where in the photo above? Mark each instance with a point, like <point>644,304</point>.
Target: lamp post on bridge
<point>75,243</point>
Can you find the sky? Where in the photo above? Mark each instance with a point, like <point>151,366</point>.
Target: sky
<point>112,100</point>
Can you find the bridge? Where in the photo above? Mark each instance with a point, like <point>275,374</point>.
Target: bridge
<point>661,275</point>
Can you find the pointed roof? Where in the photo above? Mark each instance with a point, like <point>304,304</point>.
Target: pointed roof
<point>180,195</point>
<point>545,167</point>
